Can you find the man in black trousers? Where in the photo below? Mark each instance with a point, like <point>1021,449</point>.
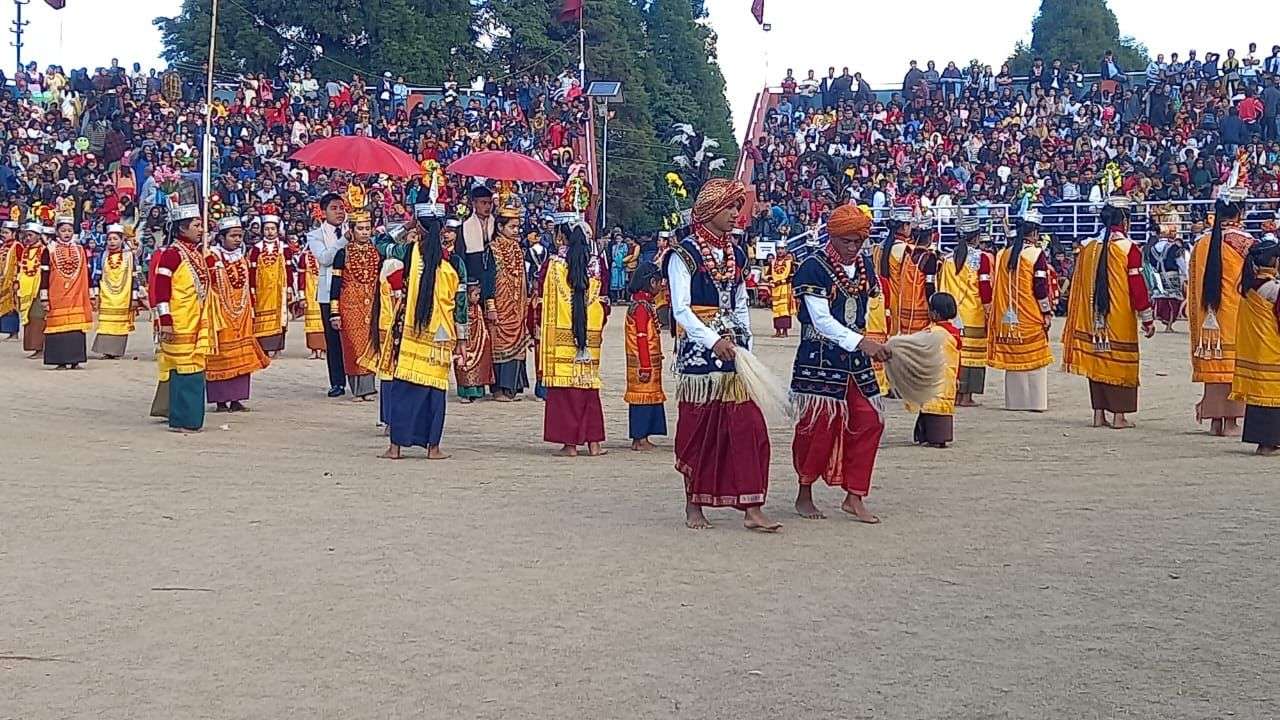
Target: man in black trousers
<point>324,243</point>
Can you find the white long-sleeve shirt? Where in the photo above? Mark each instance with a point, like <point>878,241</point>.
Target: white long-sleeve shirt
<point>324,244</point>
<point>681,282</point>
<point>826,325</point>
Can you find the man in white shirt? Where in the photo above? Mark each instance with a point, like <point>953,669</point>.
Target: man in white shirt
<point>324,243</point>
<point>477,231</point>
<point>722,444</point>
<point>834,382</point>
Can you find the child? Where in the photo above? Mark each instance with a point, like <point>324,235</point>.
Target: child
<point>934,425</point>
<point>644,396</point>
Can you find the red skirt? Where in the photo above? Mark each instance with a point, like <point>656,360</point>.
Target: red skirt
<point>839,447</point>
<point>572,416</point>
<point>722,449</point>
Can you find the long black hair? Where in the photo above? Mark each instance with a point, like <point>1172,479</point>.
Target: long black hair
<point>430,249</point>
<point>1264,253</point>
<point>579,256</point>
<point>961,251</point>
<point>886,247</point>
<point>1019,240</point>
<point>1211,289</point>
<point>1111,217</point>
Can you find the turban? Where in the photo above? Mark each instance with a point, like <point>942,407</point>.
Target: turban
<point>716,195</point>
<point>849,221</point>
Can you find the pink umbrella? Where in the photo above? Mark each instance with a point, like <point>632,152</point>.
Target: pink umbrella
<point>358,154</point>
<point>503,165</point>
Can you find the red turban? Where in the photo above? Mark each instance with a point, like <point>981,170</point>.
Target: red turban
<point>848,221</point>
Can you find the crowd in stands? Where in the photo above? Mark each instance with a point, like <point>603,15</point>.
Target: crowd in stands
<point>973,137</point>
<point>105,146</point>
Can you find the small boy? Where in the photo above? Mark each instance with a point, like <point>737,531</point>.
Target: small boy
<point>935,423</point>
<point>645,398</point>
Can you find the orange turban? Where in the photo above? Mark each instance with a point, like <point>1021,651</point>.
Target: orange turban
<point>716,195</point>
<point>849,221</point>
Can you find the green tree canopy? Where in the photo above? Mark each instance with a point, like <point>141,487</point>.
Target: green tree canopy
<point>421,39</point>
<point>1078,31</point>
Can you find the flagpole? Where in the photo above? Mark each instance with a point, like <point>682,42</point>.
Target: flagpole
<point>582,46</point>
<point>207,173</point>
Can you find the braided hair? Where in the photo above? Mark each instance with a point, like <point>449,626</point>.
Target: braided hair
<point>1211,289</point>
<point>1111,217</point>
<point>432,252</point>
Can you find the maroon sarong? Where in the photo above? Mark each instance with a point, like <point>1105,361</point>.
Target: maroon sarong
<point>572,416</point>
<point>722,449</point>
<point>1167,309</point>
<point>842,453</point>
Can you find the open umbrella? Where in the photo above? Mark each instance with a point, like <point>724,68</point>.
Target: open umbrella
<point>358,154</point>
<point>504,165</point>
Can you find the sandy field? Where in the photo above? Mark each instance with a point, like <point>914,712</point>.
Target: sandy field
<point>272,567</point>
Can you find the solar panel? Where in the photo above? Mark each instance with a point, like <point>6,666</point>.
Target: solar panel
<point>604,89</point>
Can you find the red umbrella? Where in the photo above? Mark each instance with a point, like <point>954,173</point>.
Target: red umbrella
<point>503,165</point>
<point>358,154</point>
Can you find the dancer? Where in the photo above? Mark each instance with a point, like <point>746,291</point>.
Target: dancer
<point>67,297</point>
<point>270,267</point>
<point>645,398</point>
<point>10,259</point>
<point>1213,303</point>
<point>355,282</point>
<point>1168,260</point>
<point>236,354</point>
<point>1100,336</point>
<point>837,395</point>
<point>913,264</point>
<point>424,333</point>
<point>507,303</point>
<point>722,444</point>
<point>574,309</point>
<point>781,268</point>
<point>182,301</point>
<point>324,243</point>
<point>307,281</point>
<point>1022,314</point>
<point>935,423</point>
<point>1257,366</point>
<point>30,310</point>
<point>116,278</point>
<point>966,276</point>
<point>380,357</point>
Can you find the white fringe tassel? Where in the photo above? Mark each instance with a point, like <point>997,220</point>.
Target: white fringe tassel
<point>763,387</point>
<point>917,368</point>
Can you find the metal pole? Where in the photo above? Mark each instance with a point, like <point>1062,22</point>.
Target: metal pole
<point>207,175</point>
<point>582,48</point>
<point>18,24</point>
<point>604,175</point>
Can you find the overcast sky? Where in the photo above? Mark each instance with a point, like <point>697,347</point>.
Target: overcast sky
<point>876,39</point>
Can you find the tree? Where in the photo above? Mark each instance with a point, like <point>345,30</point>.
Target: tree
<point>422,39</point>
<point>1077,31</point>
<point>683,47</point>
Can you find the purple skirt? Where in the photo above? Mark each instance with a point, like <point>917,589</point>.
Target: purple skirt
<point>224,391</point>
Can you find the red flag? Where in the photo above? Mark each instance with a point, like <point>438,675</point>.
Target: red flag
<point>57,4</point>
<point>571,12</point>
<point>757,9</point>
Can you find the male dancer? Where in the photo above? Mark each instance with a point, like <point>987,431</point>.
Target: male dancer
<point>722,444</point>
<point>834,383</point>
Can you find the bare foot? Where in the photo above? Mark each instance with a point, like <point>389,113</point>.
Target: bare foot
<point>594,450</point>
<point>805,506</point>
<point>643,445</point>
<point>503,398</point>
<point>1267,450</point>
<point>392,453</point>
<point>1215,428</point>
<point>967,403</point>
<point>855,507</point>
<point>35,355</point>
<point>755,520</point>
<point>220,407</point>
<point>1231,428</point>
<point>694,519</point>
<point>568,451</point>
<point>434,453</point>
<point>183,431</point>
<point>1100,419</point>
<point>1122,425</point>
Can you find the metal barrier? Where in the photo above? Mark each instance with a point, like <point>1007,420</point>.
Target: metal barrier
<point>1063,221</point>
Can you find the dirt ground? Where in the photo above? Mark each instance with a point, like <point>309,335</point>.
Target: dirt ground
<point>272,567</point>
